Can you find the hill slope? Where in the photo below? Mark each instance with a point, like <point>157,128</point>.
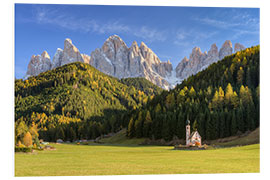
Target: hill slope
<point>221,101</point>
<point>76,101</point>
<point>251,138</point>
<point>142,84</point>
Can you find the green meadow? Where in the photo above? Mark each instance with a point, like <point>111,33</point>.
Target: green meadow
<point>79,160</point>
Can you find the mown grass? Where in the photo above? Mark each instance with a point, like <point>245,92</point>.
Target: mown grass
<point>79,160</point>
<point>121,139</point>
<point>252,138</point>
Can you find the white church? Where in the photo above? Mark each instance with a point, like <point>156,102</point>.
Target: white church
<point>193,139</point>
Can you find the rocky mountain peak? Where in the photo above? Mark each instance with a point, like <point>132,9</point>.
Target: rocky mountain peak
<point>114,38</point>
<point>116,59</point>
<point>143,45</point>
<point>70,53</point>
<point>134,43</point>
<point>69,47</point>
<point>114,42</point>
<point>196,50</point>
<point>68,41</point>
<point>86,58</point>
<point>45,55</point>
<point>114,46</point>
<point>185,59</point>
<point>38,64</point>
<point>181,66</point>
<point>238,47</point>
<point>199,61</point>
<point>226,49</point>
<point>213,49</point>
<point>57,58</point>
<point>195,55</point>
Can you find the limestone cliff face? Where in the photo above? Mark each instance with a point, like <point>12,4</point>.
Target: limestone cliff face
<point>57,58</point>
<point>86,58</point>
<point>61,57</point>
<point>115,58</point>
<point>198,61</point>
<point>226,49</point>
<point>192,65</point>
<point>68,55</point>
<point>38,64</point>
<point>238,47</point>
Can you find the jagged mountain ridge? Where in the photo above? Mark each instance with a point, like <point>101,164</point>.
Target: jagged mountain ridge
<point>198,61</point>
<point>115,58</point>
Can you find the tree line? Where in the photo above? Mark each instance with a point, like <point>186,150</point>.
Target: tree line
<point>221,101</point>
<point>76,101</point>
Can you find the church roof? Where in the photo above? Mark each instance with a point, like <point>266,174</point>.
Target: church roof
<point>193,133</point>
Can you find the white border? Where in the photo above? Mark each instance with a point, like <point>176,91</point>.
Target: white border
<point>7,77</point>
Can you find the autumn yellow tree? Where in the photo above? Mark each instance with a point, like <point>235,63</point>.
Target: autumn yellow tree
<point>27,139</point>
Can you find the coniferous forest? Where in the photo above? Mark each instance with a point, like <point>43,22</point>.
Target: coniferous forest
<point>220,101</point>
<point>76,101</point>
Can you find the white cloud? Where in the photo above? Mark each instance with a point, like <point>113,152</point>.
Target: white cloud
<point>240,24</point>
<point>239,33</point>
<point>56,18</point>
<point>218,23</point>
<point>150,34</point>
<point>189,37</point>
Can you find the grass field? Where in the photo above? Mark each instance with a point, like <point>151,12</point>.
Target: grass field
<point>78,160</point>
<point>120,138</point>
<point>252,138</point>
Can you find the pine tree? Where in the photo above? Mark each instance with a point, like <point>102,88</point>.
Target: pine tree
<point>229,94</point>
<point>228,123</point>
<point>170,100</point>
<point>20,129</point>
<point>210,126</point>
<point>138,125</point>
<point>201,124</point>
<point>36,141</point>
<point>72,134</point>
<point>233,124</point>
<point>180,126</point>
<point>220,95</point>
<point>158,126</point>
<point>130,131</point>
<point>165,129</point>
<point>192,92</point>
<point>181,96</point>
<point>222,125</point>
<point>147,125</point>
<point>209,92</point>
<point>240,76</point>
<point>195,126</point>
<point>60,134</point>
<point>235,100</point>
<point>249,78</point>
<point>241,125</point>
<point>33,130</point>
<point>215,101</point>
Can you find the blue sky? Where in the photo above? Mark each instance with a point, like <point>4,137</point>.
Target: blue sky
<point>171,32</point>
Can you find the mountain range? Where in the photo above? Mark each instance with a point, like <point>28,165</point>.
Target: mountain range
<point>115,58</point>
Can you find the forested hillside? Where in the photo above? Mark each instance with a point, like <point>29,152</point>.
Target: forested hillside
<point>221,101</point>
<point>142,84</point>
<point>75,101</point>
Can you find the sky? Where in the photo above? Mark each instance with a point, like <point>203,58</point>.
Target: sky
<point>171,32</point>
